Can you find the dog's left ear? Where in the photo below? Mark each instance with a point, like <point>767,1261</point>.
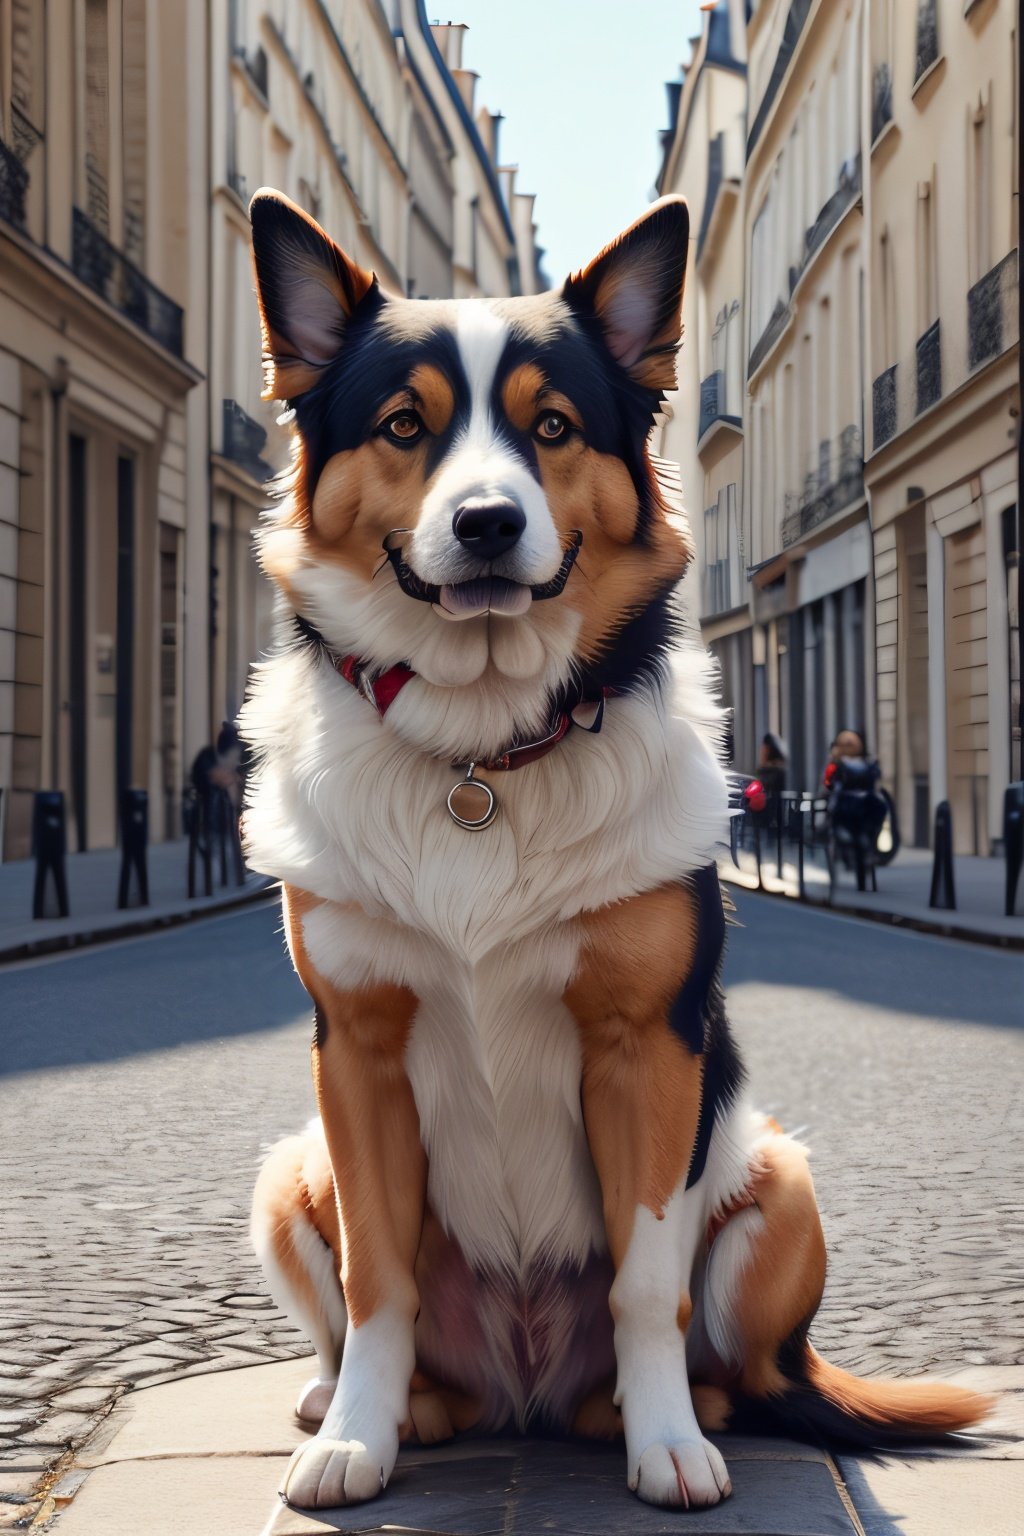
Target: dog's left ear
<point>634,289</point>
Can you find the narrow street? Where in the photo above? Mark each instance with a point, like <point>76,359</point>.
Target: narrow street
<point>143,1080</point>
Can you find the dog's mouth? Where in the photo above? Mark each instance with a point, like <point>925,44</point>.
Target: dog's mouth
<point>483,594</point>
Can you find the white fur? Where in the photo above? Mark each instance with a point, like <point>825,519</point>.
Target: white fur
<point>663,1441</point>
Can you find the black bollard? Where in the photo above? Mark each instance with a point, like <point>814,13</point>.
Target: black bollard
<point>943,895</point>
<point>49,844</point>
<point>1013,842</point>
<point>134,839</point>
<point>200,841</point>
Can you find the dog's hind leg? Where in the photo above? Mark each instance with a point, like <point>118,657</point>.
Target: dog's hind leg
<point>764,1280</point>
<point>294,1230</point>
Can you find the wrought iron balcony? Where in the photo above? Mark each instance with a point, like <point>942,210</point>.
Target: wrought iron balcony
<point>256,67</point>
<point>13,186</point>
<point>835,482</point>
<point>992,318</point>
<point>881,100</point>
<point>927,37</point>
<point>929,368</point>
<point>104,269</point>
<point>883,406</point>
<point>243,440</point>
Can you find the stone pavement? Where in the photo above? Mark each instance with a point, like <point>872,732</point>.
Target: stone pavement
<point>903,890</point>
<point>206,1455</point>
<point>143,1079</point>
<point>92,900</point>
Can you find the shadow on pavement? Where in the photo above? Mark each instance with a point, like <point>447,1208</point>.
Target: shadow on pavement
<point>784,944</point>
<point>150,994</point>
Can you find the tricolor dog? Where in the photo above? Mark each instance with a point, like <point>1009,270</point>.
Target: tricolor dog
<point>488,778</point>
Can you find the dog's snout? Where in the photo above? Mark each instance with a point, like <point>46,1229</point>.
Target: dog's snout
<point>488,526</point>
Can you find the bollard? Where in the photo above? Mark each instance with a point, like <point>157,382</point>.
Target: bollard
<point>777,803</point>
<point>134,838</point>
<point>49,843</point>
<point>200,842</point>
<point>1013,842</point>
<point>943,895</point>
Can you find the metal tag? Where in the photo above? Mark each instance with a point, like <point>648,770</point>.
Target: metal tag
<point>472,803</point>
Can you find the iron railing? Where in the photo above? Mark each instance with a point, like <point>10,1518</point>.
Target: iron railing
<point>883,406</point>
<point>927,37</point>
<point>836,482</point>
<point>104,269</point>
<point>881,99</point>
<point>712,400</point>
<point>991,312</point>
<point>13,187</point>
<point>929,368</point>
<point>243,440</point>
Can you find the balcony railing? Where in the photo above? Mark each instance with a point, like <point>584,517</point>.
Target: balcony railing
<point>243,440</point>
<point>881,100</point>
<point>104,269</point>
<point>883,406</point>
<point>13,186</point>
<point>835,482</point>
<point>929,368</point>
<point>927,37</point>
<point>992,316</point>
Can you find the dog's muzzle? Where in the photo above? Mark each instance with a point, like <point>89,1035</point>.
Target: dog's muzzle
<point>482,594</point>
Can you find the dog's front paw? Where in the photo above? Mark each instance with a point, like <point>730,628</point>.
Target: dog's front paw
<point>688,1475</point>
<point>324,1474</point>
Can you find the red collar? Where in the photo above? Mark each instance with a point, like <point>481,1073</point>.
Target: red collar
<point>383,689</point>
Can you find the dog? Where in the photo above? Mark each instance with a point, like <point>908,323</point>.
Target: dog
<point>488,777</point>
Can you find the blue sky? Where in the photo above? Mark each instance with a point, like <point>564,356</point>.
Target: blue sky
<point>582,87</point>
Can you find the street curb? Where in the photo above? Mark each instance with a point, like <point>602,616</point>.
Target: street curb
<point>933,926</point>
<point>132,927</point>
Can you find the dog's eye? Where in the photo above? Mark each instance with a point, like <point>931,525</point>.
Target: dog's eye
<point>403,427</point>
<point>551,427</point>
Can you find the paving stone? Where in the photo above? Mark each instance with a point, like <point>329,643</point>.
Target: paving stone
<point>913,1497</point>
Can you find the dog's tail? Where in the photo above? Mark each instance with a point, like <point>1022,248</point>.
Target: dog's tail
<point>821,1403</point>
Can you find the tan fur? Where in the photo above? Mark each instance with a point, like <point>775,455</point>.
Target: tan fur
<point>521,395</point>
<point>615,577</point>
<point>296,1180</point>
<point>597,1417</point>
<point>783,1282</point>
<point>641,1087</point>
<point>371,1127</point>
<point>432,396</point>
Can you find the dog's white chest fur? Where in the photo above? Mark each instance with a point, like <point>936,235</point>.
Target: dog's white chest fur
<point>480,925</point>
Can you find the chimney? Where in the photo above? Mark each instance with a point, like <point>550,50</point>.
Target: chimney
<point>449,37</point>
<point>466,80</point>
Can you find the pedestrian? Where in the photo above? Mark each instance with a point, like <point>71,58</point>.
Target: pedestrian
<point>773,761</point>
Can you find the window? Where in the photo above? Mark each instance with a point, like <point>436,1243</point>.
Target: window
<point>979,182</point>
<point>881,61</point>
<point>927,285</point>
<point>96,105</point>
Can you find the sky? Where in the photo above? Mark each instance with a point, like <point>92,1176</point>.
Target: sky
<point>582,87</point>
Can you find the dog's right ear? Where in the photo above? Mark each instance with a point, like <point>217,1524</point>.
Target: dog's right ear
<point>307,290</point>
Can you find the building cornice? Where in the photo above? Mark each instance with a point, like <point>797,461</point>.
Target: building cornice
<point>33,276</point>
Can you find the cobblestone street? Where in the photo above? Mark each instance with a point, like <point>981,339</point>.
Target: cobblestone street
<point>145,1079</point>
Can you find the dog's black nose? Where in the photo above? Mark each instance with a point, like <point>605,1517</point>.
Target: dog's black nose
<point>488,526</point>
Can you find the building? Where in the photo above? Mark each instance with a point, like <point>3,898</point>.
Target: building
<point>135,451</point>
<point>942,403</point>
<point>809,558</point>
<point>865,572</point>
<point>703,156</point>
<point>103,408</point>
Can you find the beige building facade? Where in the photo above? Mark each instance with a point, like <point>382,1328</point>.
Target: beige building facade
<point>943,405</point>
<point>873,581</point>
<point>703,157</point>
<point>103,406</point>
<point>135,451</point>
<point>810,545</point>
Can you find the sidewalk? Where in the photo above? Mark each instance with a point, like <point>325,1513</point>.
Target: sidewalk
<point>204,1456</point>
<point>902,895</point>
<point>92,900</point>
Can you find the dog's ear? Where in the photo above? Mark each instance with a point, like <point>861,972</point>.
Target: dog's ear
<point>307,290</point>
<point>634,289</point>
